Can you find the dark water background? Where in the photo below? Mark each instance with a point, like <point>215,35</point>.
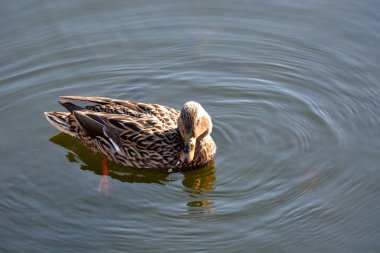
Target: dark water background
<point>293,89</point>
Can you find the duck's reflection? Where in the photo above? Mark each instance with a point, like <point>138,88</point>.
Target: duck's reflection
<point>195,182</point>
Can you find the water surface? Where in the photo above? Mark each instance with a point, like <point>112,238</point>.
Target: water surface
<point>293,90</point>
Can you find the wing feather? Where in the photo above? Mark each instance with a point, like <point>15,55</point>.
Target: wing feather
<point>136,132</point>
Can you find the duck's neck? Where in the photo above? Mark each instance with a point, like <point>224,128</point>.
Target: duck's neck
<point>201,147</point>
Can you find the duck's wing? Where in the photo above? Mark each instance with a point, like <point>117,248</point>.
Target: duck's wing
<point>136,142</point>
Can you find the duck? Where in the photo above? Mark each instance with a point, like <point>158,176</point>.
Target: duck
<point>137,134</point>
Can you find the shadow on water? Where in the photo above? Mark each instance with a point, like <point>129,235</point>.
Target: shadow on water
<point>195,182</point>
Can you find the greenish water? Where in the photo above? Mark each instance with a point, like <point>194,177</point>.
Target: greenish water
<point>293,90</point>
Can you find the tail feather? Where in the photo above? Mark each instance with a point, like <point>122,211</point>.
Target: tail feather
<point>59,121</point>
<point>69,106</point>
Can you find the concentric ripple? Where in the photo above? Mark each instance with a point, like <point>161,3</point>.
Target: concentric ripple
<point>293,92</point>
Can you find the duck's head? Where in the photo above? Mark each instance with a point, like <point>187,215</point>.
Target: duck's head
<point>194,124</point>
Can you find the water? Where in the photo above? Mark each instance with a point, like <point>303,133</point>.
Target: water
<point>293,90</point>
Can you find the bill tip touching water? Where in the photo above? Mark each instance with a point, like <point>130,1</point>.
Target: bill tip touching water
<point>138,134</point>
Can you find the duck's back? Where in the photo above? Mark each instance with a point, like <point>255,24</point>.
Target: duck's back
<point>130,133</point>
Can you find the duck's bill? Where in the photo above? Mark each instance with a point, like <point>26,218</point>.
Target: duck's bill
<point>187,155</point>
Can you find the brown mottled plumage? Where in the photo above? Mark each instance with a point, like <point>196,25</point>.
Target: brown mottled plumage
<point>137,134</point>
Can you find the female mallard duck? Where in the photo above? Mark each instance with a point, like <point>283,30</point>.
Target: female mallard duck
<point>137,134</point>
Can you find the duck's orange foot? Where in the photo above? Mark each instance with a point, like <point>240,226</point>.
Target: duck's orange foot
<point>104,184</point>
